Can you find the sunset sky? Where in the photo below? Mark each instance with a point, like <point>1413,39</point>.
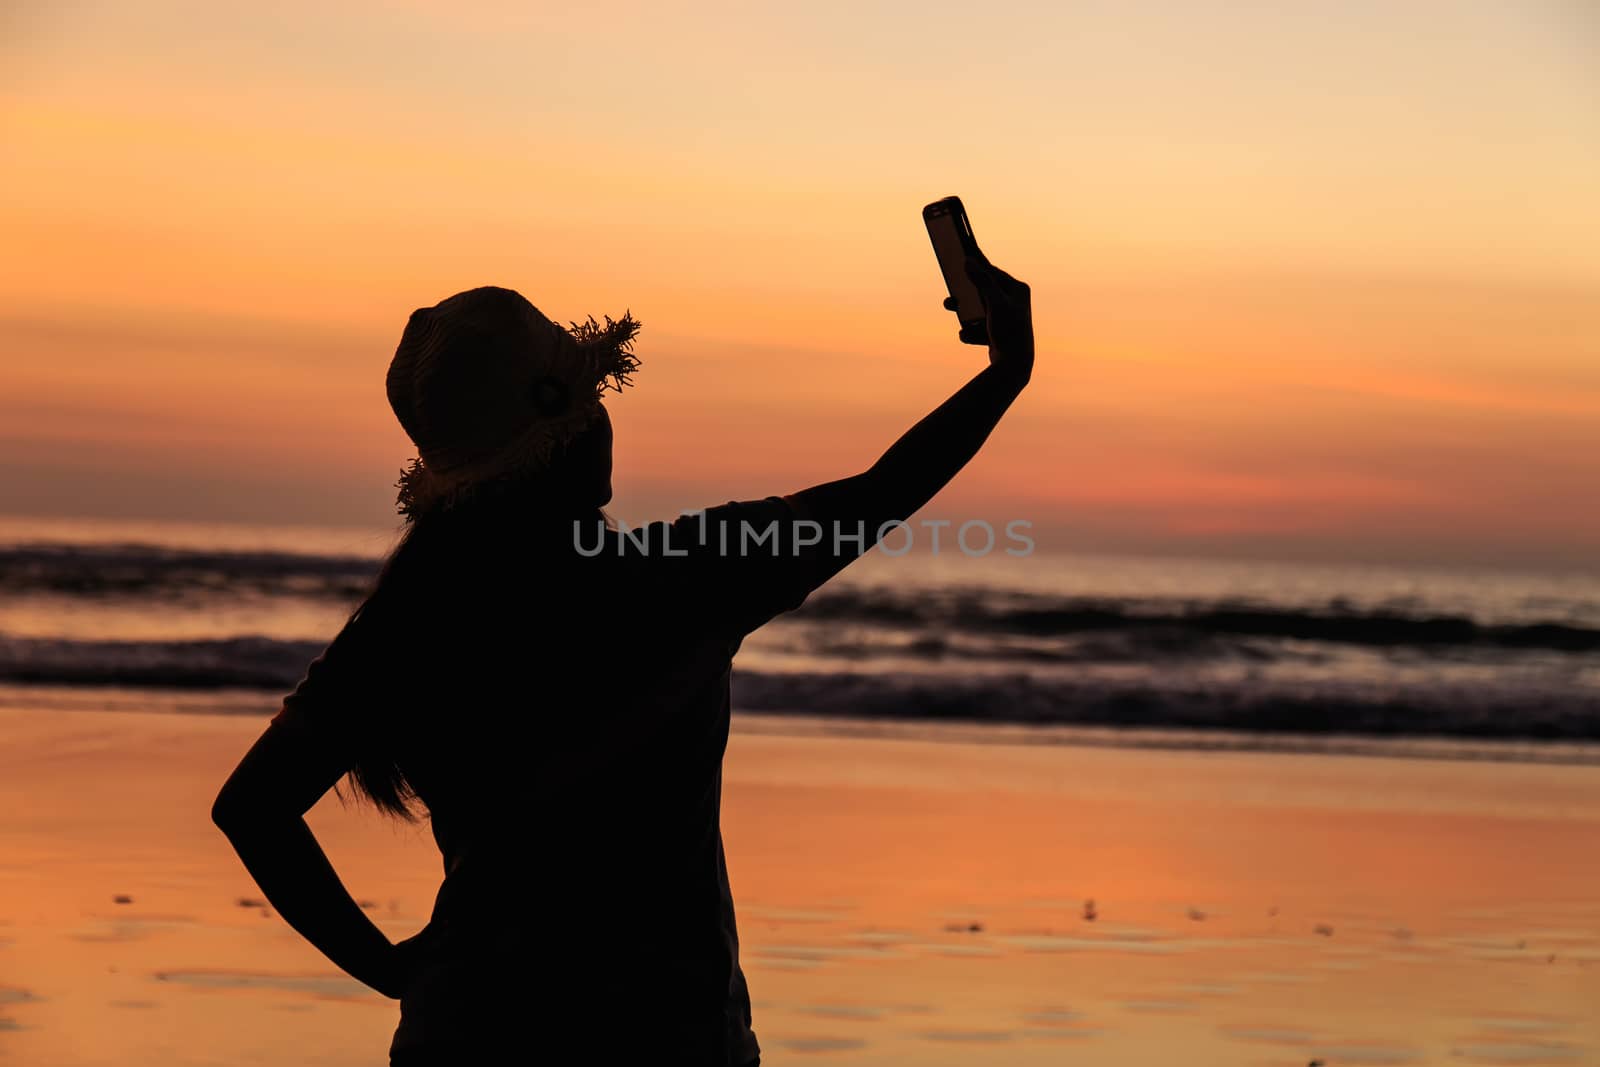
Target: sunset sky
<point>1310,279</point>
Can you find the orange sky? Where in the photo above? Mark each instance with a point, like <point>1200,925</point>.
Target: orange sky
<point>1311,279</point>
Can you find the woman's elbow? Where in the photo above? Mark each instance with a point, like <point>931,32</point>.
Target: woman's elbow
<point>232,810</point>
<point>223,812</point>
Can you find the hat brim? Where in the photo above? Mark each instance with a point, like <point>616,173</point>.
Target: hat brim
<point>605,361</point>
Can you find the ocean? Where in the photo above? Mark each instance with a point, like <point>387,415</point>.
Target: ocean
<point>1051,647</point>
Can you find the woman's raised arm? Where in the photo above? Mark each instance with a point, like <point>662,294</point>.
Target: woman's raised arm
<point>928,455</point>
<point>752,560</point>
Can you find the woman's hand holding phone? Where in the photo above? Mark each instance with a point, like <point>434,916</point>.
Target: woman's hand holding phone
<point>1008,308</point>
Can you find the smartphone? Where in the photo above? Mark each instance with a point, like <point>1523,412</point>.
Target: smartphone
<point>953,242</point>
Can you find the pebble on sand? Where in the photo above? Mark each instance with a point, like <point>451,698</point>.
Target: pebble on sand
<point>122,898</point>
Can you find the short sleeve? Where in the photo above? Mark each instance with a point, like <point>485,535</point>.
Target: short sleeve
<point>739,564</point>
<point>333,698</point>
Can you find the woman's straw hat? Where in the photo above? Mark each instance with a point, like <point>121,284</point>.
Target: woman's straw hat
<point>488,388</point>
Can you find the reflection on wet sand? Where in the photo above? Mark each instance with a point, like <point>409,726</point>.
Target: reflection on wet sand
<point>935,916</point>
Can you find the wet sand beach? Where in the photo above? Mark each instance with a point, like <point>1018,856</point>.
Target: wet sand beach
<point>902,901</point>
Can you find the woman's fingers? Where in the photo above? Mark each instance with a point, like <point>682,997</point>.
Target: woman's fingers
<point>980,273</point>
<point>1013,285</point>
<point>984,276</point>
<point>996,275</point>
<point>990,279</point>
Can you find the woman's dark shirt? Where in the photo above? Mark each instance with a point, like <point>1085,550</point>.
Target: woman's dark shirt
<point>558,699</point>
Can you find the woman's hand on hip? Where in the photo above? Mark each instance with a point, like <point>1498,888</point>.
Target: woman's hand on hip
<point>405,959</point>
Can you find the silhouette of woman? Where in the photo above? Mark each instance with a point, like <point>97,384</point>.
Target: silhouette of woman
<point>553,693</point>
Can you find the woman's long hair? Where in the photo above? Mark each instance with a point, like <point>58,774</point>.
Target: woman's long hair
<point>475,532</point>
<point>376,775</point>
